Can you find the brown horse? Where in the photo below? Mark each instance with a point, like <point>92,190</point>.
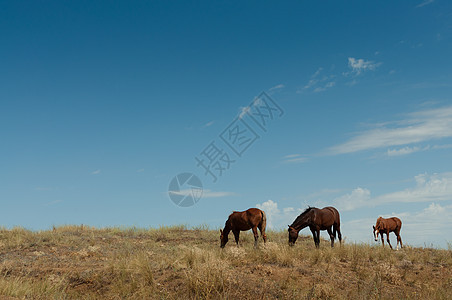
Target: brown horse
<point>252,218</point>
<point>317,219</point>
<point>386,226</point>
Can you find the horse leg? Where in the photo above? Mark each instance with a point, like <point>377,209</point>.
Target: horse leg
<point>399,239</point>
<point>339,234</point>
<point>236,236</point>
<point>256,236</point>
<point>387,239</point>
<point>313,230</point>
<point>331,236</point>
<point>382,239</point>
<point>318,238</point>
<point>264,236</point>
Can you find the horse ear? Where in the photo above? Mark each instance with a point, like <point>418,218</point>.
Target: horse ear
<point>221,231</point>
<point>288,226</point>
<point>373,227</point>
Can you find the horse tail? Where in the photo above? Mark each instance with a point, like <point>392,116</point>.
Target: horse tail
<point>264,221</point>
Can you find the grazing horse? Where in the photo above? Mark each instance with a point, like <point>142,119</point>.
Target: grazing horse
<point>252,218</point>
<point>386,226</point>
<point>317,219</point>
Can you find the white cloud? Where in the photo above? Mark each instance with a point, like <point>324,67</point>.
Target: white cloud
<point>311,83</point>
<point>359,197</point>
<point>403,151</point>
<point>277,219</point>
<point>96,172</point>
<point>211,194</point>
<point>417,127</point>
<point>53,202</point>
<point>434,209</point>
<point>426,2</point>
<point>447,146</point>
<point>292,155</point>
<point>209,124</point>
<point>428,188</point>
<point>294,158</point>
<point>430,225</point>
<point>325,87</point>
<point>317,72</point>
<point>315,81</point>
<point>360,65</point>
<point>243,111</point>
<point>205,193</point>
<point>276,87</point>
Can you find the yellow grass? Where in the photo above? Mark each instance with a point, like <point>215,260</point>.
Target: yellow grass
<point>80,262</point>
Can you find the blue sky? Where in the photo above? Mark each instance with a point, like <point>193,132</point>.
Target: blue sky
<point>102,104</point>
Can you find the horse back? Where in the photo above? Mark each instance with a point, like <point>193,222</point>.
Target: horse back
<point>326,217</point>
<point>334,213</point>
<point>391,224</point>
<point>397,222</point>
<point>245,220</point>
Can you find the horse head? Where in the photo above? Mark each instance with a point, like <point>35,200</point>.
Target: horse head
<point>293,235</point>
<point>223,239</point>
<point>376,232</point>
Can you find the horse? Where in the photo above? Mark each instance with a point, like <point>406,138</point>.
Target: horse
<point>252,218</point>
<point>386,226</point>
<point>317,219</point>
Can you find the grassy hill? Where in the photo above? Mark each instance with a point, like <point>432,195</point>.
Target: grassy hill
<point>74,262</point>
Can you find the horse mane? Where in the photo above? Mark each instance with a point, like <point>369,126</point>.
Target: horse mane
<point>302,214</point>
<point>307,210</point>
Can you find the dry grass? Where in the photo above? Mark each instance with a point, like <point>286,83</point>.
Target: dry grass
<point>74,262</point>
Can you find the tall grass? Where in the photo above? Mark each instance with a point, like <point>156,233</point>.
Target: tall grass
<point>74,262</point>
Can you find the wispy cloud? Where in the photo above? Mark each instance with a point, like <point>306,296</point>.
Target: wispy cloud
<point>428,188</point>
<point>96,172</point>
<point>276,87</point>
<point>53,202</point>
<point>325,87</point>
<point>436,187</point>
<point>243,111</point>
<point>317,72</point>
<point>429,225</point>
<point>417,127</point>
<point>320,83</point>
<point>41,188</point>
<point>208,124</point>
<point>205,193</point>
<point>294,158</point>
<point>359,66</point>
<point>426,2</point>
<point>140,170</point>
<point>212,194</point>
<point>405,150</point>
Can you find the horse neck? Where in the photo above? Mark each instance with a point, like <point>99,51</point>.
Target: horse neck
<point>380,224</point>
<point>301,222</point>
<point>227,227</point>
